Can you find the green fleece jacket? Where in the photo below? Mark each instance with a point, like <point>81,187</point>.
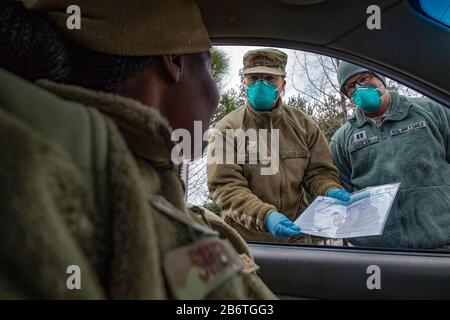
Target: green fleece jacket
<point>410,146</point>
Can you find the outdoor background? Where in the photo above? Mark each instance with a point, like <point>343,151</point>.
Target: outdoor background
<point>311,86</point>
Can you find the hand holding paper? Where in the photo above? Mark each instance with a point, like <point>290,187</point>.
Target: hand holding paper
<point>340,194</point>
<point>280,226</point>
<point>364,214</point>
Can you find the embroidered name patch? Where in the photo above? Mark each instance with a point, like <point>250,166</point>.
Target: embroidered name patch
<point>361,144</point>
<point>412,126</point>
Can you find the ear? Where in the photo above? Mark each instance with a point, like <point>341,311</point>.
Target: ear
<point>173,64</point>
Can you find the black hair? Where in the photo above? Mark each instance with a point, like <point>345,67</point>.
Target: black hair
<point>100,71</point>
<point>32,47</point>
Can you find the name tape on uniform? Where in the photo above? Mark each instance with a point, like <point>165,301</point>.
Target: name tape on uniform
<point>361,144</point>
<point>412,126</point>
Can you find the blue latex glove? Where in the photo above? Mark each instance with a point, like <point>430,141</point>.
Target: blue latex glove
<point>340,194</point>
<point>281,227</point>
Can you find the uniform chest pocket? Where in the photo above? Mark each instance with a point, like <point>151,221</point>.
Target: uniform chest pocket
<point>407,138</point>
<point>294,164</point>
<point>363,155</point>
<point>251,158</point>
<point>251,164</point>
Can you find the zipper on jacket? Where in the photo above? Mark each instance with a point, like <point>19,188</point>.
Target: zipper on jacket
<point>281,190</point>
<point>383,138</point>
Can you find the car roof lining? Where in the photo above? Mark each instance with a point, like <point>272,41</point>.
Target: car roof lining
<point>361,24</point>
<point>349,40</point>
<point>317,23</point>
<point>394,74</point>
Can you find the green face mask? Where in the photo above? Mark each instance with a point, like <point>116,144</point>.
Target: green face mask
<point>262,95</point>
<point>367,98</point>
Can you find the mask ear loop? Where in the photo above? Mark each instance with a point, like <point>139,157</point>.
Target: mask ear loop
<point>282,94</point>
<point>379,90</point>
<point>383,94</point>
<point>386,91</point>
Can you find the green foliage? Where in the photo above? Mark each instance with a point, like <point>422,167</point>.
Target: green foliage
<point>220,64</point>
<point>229,101</point>
<point>299,102</point>
<point>213,207</point>
<point>328,114</point>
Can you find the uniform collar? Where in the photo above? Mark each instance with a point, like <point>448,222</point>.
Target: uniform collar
<point>146,132</point>
<point>397,111</point>
<point>263,117</point>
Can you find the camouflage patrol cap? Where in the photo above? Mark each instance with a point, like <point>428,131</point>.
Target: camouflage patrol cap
<point>131,27</point>
<point>271,61</point>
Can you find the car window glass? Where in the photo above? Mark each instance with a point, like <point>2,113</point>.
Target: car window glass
<point>312,87</point>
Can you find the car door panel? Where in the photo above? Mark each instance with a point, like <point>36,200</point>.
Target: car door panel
<point>293,271</point>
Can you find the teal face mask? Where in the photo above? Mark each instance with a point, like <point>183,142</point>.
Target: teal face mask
<point>262,95</point>
<point>367,98</point>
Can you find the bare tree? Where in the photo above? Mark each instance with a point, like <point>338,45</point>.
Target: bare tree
<point>314,78</point>
<point>402,89</point>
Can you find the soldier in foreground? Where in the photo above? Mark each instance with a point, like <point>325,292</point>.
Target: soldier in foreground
<point>88,184</point>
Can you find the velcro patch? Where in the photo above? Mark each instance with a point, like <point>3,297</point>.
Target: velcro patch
<point>195,270</point>
<point>248,265</point>
<point>360,136</point>
<point>361,144</point>
<point>412,126</point>
<point>294,154</point>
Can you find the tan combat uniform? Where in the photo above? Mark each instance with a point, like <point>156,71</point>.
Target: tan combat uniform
<point>243,193</point>
<point>87,181</point>
<point>113,207</point>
